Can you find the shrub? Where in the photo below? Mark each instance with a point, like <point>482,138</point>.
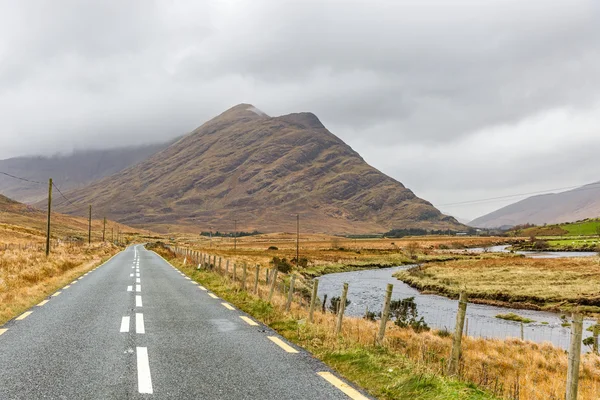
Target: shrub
<point>282,264</point>
<point>335,303</point>
<point>273,248</point>
<point>404,311</point>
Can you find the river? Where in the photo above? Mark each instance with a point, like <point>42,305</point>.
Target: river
<point>367,290</point>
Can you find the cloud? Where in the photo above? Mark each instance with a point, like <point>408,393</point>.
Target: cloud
<point>426,90</point>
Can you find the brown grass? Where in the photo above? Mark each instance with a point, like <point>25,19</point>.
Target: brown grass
<point>549,284</point>
<point>510,368</point>
<point>27,276</point>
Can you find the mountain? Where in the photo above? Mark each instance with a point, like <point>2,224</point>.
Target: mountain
<point>553,208</point>
<point>68,171</point>
<point>261,171</point>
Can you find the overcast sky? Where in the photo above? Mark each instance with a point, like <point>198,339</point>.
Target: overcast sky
<point>459,100</point>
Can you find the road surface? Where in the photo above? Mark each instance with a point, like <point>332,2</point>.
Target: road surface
<point>136,328</point>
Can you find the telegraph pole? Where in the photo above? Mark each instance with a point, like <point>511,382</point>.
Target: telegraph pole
<point>235,235</point>
<point>104,231</point>
<point>297,238</point>
<point>90,227</point>
<point>49,210</point>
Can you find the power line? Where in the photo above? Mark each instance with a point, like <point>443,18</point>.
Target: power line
<point>61,193</point>
<point>522,194</point>
<point>22,179</point>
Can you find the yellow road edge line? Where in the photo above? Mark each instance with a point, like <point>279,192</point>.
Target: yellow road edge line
<point>66,287</point>
<point>24,315</point>
<point>2,331</point>
<point>282,344</point>
<point>341,385</point>
<point>201,288</point>
<point>228,306</point>
<point>56,294</point>
<point>213,296</point>
<point>248,321</point>
<point>42,303</point>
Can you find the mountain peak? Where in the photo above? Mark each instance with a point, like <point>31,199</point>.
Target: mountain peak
<point>304,119</point>
<point>243,110</point>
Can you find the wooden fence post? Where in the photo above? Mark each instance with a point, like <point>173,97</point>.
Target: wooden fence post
<point>574,357</point>
<point>288,304</point>
<point>256,278</point>
<point>313,300</point>
<point>234,271</point>
<point>227,268</point>
<point>341,310</point>
<point>220,269</point>
<point>385,312</point>
<point>458,330</point>
<point>244,267</point>
<point>273,283</point>
<point>595,334</point>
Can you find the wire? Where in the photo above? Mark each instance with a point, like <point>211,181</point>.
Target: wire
<point>61,193</point>
<point>22,179</point>
<point>580,188</point>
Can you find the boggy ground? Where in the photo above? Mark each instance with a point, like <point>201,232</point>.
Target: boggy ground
<point>542,284</point>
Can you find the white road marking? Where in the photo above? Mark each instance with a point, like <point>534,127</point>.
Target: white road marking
<point>138,274</point>
<point>139,323</point>
<point>129,288</point>
<point>213,296</point>
<point>42,303</point>
<point>137,280</point>
<point>131,275</point>
<point>124,325</point>
<point>143,369</point>
<point>228,306</point>
<point>138,301</point>
<point>202,288</point>
<point>248,321</point>
<point>138,288</point>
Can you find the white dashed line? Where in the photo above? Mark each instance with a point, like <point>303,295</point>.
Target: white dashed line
<point>124,325</point>
<point>213,296</point>
<point>143,369</point>
<point>138,301</point>
<point>131,275</point>
<point>138,288</point>
<point>137,280</point>
<point>129,288</point>
<point>139,324</point>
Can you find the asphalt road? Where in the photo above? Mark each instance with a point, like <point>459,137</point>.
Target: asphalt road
<point>137,328</point>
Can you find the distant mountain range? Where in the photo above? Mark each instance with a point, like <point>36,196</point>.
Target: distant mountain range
<point>68,171</point>
<point>569,206</point>
<point>261,171</point>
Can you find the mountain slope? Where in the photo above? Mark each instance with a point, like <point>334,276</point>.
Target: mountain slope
<point>20,223</point>
<point>573,205</point>
<point>244,165</point>
<point>68,171</point>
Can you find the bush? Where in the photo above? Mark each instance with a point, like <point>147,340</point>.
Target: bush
<point>303,263</point>
<point>335,303</point>
<point>282,264</point>
<point>405,313</point>
<point>273,248</point>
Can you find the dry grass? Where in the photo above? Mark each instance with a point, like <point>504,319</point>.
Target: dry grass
<point>328,254</point>
<point>531,283</point>
<point>509,368</point>
<point>27,276</point>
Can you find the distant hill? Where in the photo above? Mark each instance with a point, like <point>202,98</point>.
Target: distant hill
<point>244,165</point>
<point>20,223</point>
<point>68,171</point>
<point>573,205</point>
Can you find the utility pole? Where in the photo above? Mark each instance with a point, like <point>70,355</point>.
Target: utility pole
<point>235,235</point>
<point>90,227</point>
<point>104,231</point>
<point>297,238</point>
<point>49,210</point>
<point>210,237</point>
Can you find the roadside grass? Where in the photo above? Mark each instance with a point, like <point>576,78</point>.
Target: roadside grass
<point>545,284</point>
<point>27,276</point>
<point>411,365</point>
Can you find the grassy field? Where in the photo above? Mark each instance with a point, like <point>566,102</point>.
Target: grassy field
<point>328,254</point>
<point>589,227</point>
<point>27,276</point>
<point>410,365</point>
<point>547,284</point>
